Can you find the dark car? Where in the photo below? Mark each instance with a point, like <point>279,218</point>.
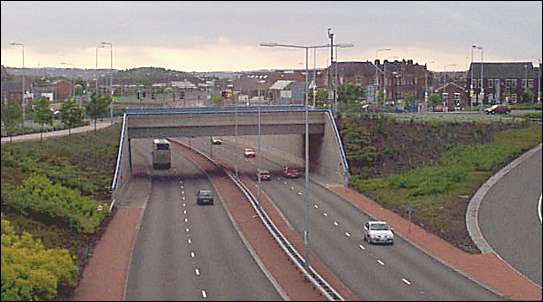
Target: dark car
<point>497,109</point>
<point>204,197</point>
<point>264,175</point>
<point>290,172</point>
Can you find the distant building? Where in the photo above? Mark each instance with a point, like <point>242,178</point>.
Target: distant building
<point>502,82</point>
<point>59,90</point>
<point>454,96</point>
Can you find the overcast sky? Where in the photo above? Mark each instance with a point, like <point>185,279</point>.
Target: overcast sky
<point>212,36</point>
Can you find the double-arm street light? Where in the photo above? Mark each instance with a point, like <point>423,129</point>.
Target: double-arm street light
<point>110,78</point>
<point>23,102</point>
<point>306,187</point>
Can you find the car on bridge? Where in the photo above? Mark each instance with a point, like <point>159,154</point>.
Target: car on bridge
<point>204,197</point>
<point>290,172</point>
<point>216,141</point>
<point>377,232</point>
<point>263,174</point>
<point>249,152</point>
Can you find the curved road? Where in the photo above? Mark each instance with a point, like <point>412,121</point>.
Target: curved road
<point>509,218</point>
<point>398,272</point>
<point>189,252</point>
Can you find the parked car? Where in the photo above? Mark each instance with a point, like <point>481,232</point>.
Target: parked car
<point>377,232</point>
<point>290,172</point>
<point>440,108</point>
<point>263,174</point>
<point>497,109</point>
<point>249,152</point>
<point>370,108</point>
<point>204,197</point>
<point>216,141</point>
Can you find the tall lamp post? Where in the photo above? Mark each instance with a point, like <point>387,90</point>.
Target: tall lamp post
<point>539,82</point>
<point>377,73</point>
<point>96,68</point>
<point>110,78</point>
<point>482,91</point>
<point>471,91</point>
<point>23,101</point>
<point>306,186</point>
<point>426,85</point>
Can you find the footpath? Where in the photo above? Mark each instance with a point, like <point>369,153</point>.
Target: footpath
<point>36,136</point>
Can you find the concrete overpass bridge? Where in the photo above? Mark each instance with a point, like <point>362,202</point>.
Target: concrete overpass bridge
<point>282,131</point>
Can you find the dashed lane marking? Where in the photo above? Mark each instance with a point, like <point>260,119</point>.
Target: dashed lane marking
<point>292,188</point>
<point>316,206</point>
<point>189,241</point>
<point>191,254</point>
<point>361,247</point>
<point>335,223</point>
<point>184,211</point>
<point>300,193</point>
<point>380,262</point>
<point>197,272</point>
<point>204,295</point>
<point>347,234</point>
<point>406,281</point>
<point>186,220</point>
<point>324,214</point>
<point>187,230</point>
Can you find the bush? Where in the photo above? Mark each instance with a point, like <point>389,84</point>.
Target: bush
<point>54,204</point>
<point>31,272</point>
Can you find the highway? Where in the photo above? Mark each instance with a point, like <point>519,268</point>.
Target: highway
<point>188,252</point>
<point>398,272</point>
<point>509,218</point>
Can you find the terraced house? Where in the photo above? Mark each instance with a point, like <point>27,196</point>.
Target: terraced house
<point>503,82</point>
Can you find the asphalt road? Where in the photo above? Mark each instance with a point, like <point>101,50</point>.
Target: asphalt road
<point>188,252</point>
<point>509,221</point>
<point>398,272</point>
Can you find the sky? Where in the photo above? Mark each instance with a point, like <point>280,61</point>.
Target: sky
<point>225,36</point>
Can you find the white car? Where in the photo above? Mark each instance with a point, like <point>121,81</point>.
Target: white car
<point>216,141</point>
<point>377,232</point>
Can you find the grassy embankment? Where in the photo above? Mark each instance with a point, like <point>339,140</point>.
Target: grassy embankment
<point>438,185</point>
<point>54,209</point>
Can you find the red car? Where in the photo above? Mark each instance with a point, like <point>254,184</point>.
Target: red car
<point>249,152</point>
<point>497,109</point>
<point>289,172</point>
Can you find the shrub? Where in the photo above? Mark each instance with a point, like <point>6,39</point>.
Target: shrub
<point>31,272</point>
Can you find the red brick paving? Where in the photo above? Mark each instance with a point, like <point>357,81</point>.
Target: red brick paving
<point>105,275</point>
<point>486,268</point>
<point>290,279</point>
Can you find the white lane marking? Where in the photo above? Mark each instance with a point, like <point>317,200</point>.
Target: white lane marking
<point>191,254</point>
<point>187,230</point>
<point>347,234</point>
<point>361,247</point>
<point>184,211</point>
<point>182,192</point>
<point>539,209</point>
<point>186,219</point>
<point>204,295</point>
<point>300,193</point>
<point>406,281</point>
<point>182,187</point>
<point>335,223</point>
<point>324,214</point>
<point>316,206</point>
<point>380,262</point>
<point>285,182</point>
<point>292,188</point>
<point>183,197</point>
<point>189,241</point>
<point>197,271</point>
<point>184,204</point>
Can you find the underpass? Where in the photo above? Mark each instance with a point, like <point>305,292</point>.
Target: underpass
<point>189,252</point>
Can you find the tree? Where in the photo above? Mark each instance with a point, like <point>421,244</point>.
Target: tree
<point>527,95</point>
<point>349,97</point>
<point>96,107</point>
<point>380,98</point>
<point>409,100</point>
<point>321,97</point>
<point>70,114</point>
<point>12,115</point>
<point>42,114</point>
<point>434,100</point>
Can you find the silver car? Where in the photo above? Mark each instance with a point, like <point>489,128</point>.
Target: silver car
<point>377,232</point>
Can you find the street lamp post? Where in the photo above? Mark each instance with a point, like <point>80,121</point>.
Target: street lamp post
<point>306,186</point>
<point>23,101</point>
<point>482,91</point>
<point>376,71</point>
<point>96,68</point>
<point>471,92</point>
<point>426,85</point>
<point>110,78</point>
<point>539,82</point>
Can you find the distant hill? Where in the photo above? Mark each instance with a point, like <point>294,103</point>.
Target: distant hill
<point>152,75</point>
